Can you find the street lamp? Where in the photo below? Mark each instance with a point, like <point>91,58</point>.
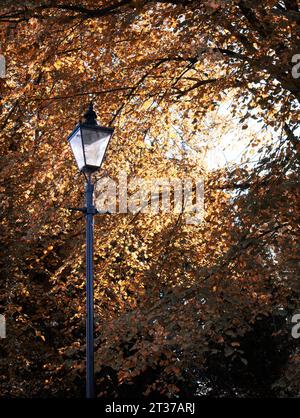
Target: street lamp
<point>89,142</point>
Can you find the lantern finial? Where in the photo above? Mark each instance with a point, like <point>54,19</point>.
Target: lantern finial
<point>90,116</point>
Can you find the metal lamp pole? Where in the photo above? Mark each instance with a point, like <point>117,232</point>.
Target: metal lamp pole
<point>90,211</point>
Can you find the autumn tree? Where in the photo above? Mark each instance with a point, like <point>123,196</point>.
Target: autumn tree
<point>173,301</point>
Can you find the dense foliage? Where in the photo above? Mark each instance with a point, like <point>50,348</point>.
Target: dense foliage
<point>179,309</point>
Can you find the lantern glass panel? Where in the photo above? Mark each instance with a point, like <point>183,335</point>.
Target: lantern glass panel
<point>77,148</point>
<point>95,141</point>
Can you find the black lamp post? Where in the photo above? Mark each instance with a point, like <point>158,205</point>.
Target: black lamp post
<point>89,142</point>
